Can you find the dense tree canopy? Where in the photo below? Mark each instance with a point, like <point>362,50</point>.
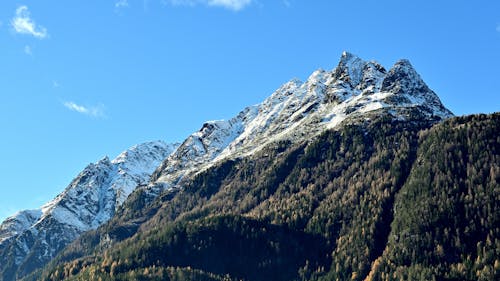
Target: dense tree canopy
<point>382,200</point>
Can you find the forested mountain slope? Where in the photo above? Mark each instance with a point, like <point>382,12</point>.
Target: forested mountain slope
<point>357,173</point>
<point>384,199</point>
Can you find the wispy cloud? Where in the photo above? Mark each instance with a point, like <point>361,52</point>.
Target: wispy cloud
<point>287,3</point>
<point>27,50</point>
<point>24,24</point>
<point>93,111</point>
<point>498,27</point>
<point>55,84</point>
<point>235,5</point>
<point>121,4</point>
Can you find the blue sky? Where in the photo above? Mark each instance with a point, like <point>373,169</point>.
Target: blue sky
<point>83,79</point>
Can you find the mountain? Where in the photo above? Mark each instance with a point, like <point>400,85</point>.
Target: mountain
<point>348,175</point>
<point>298,111</point>
<point>389,199</point>
<point>31,238</point>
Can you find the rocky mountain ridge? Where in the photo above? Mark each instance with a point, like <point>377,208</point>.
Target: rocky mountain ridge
<point>355,91</point>
<point>301,110</point>
<point>30,238</point>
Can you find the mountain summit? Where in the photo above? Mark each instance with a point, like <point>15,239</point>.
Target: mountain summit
<point>355,92</point>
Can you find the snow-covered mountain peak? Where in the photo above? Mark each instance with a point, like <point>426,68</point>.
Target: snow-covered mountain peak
<point>138,149</point>
<point>299,110</point>
<point>89,200</point>
<point>105,160</point>
<point>140,160</point>
<point>403,78</point>
<point>348,59</point>
<point>316,76</point>
<point>18,223</point>
<point>407,89</point>
<point>134,166</point>
<point>349,69</point>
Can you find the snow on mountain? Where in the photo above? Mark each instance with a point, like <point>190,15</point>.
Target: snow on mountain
<point>34,237</point>
<point>354,90</point>
<point>18,223</point>
<point>201,147</point>
<point>103,186</point>
<point>300,110</point>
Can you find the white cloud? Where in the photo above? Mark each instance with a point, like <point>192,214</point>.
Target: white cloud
<point>93,111</point>
<point>230,4</point>
<point>27,50</point>
<point>235,5</point>
<point>22,23</point>
<point>121,4</point>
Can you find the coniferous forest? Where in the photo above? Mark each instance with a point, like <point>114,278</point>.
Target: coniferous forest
<point>381,200</point>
